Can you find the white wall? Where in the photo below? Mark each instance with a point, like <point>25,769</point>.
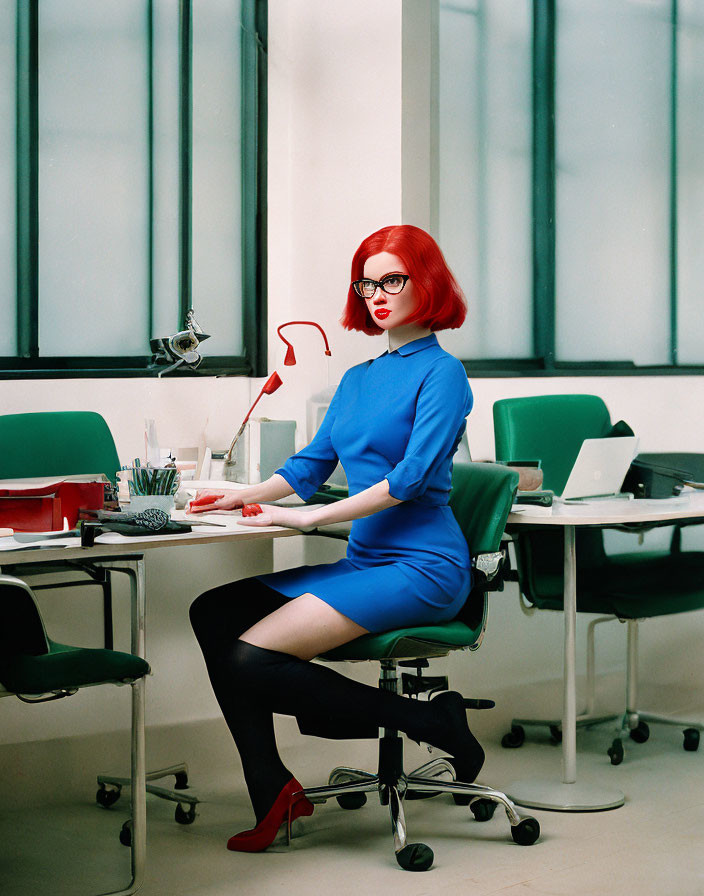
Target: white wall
<point>334,176</point>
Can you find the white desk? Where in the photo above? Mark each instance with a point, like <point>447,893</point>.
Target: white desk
<point>571,795</point>
<point>119,553</point>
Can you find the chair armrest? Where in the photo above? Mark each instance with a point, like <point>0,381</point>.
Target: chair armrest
<point>492,569</point>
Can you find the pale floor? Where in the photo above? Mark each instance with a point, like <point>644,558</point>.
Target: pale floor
<point>650,846</point>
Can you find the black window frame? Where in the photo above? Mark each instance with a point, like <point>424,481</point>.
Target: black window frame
<point>543,363</point>
<point>28,364</point>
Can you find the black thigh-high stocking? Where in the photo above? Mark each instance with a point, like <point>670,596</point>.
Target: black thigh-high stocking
<point>218,618</point>
<point>288,685</point>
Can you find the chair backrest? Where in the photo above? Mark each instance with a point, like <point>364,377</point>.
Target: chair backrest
<point>481,500</point>
<point>56,443</point>
<point>21,625</point>
<point>549,428</point>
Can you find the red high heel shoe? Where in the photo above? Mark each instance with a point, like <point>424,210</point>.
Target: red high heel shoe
<point>289,805</point>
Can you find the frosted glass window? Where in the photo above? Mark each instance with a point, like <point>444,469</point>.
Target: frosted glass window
<point>612,159</point>
<point>93,178</point>
<point>690,183</point>
<point>8,302</point>
<point>485,172</point>
<point>217,265</point>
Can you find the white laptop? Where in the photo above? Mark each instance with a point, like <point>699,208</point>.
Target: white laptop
<point>600,467</point>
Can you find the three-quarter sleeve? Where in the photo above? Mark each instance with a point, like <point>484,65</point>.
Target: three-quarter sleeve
<point>443,403</point>
<point>312,465</point>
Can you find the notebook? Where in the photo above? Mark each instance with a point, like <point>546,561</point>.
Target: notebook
<point>600,467</point>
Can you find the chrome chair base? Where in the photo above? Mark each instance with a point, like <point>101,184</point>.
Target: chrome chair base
<point>634,722</point>
<point>110,789</point>
<point>350,787</point>
<point>586,719</point>
<point>631,724</point>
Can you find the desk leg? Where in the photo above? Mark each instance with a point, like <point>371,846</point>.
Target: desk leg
<point>134,569</point>
<point>569,661</point>
<point>569,796</point>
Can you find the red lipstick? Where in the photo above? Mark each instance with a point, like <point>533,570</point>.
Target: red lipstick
<point>382,313</point>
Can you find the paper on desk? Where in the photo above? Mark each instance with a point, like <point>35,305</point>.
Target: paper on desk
<point>192,486</point>
<point>11,544</point>
<point>117,538</point>
<point>617,504</point>
<point>532,509</point>
<point>47,482</point>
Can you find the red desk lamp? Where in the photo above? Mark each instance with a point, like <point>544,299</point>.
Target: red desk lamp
<point>274,381</point>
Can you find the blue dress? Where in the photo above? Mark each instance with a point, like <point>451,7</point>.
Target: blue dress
<point>398,417</point>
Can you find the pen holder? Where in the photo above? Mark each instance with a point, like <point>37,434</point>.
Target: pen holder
<point>152,487</point>
<point>139,503</point>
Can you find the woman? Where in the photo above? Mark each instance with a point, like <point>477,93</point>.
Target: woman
<point>394,423</point>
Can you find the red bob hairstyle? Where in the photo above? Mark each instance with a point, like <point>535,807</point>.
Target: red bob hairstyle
<point>441,304</point>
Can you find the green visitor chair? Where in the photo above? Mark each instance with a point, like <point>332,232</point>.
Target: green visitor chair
<point>64,443</point>
<point>56,443</point>
<point>628,587</point>
<point>481,499</point>
<point>35,669</point>
<point>60,443</point>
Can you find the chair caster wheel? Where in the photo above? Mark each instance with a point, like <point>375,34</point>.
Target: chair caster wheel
<point>641,733</point>
<point>107,798</point>
<point>691,740</point>
<point>415,857</point>
<point>351,800</point>
<point>515,737</point>
<point>126,834</point>
<point>185,816</point>
<point>181,782</point>
<point>526,832</point>
<point>555,735</point>
<point>483,810</point>
<point>615,752</point>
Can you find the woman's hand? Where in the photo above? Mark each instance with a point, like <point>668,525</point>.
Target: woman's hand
<point>271,515</point>
<point>211,499</point>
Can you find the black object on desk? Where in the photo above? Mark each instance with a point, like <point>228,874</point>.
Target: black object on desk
<point>539,498</point>
<point>135,528</point>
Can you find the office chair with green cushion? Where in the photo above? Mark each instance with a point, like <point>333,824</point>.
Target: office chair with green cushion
<point>481,499</point>
<point>60,443</point>
<point>35,669</point>
<point>64,443</point>
<point>629,587</point>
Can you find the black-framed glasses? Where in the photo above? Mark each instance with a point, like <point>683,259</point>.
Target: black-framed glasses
<point>391,283</point>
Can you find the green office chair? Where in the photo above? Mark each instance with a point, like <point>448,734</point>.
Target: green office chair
<point>60,443</point>
<point>481,500</point>
<point>35,669</point>
<point>628,587</point>
<point>56,443</point>
<point>64,443</point>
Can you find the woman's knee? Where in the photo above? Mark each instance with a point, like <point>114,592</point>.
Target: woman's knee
<point>252,666</point>
<point>205,611</point>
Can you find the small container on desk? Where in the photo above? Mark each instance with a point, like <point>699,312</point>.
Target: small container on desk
<point>261,449</point>
<point>151,487</point>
